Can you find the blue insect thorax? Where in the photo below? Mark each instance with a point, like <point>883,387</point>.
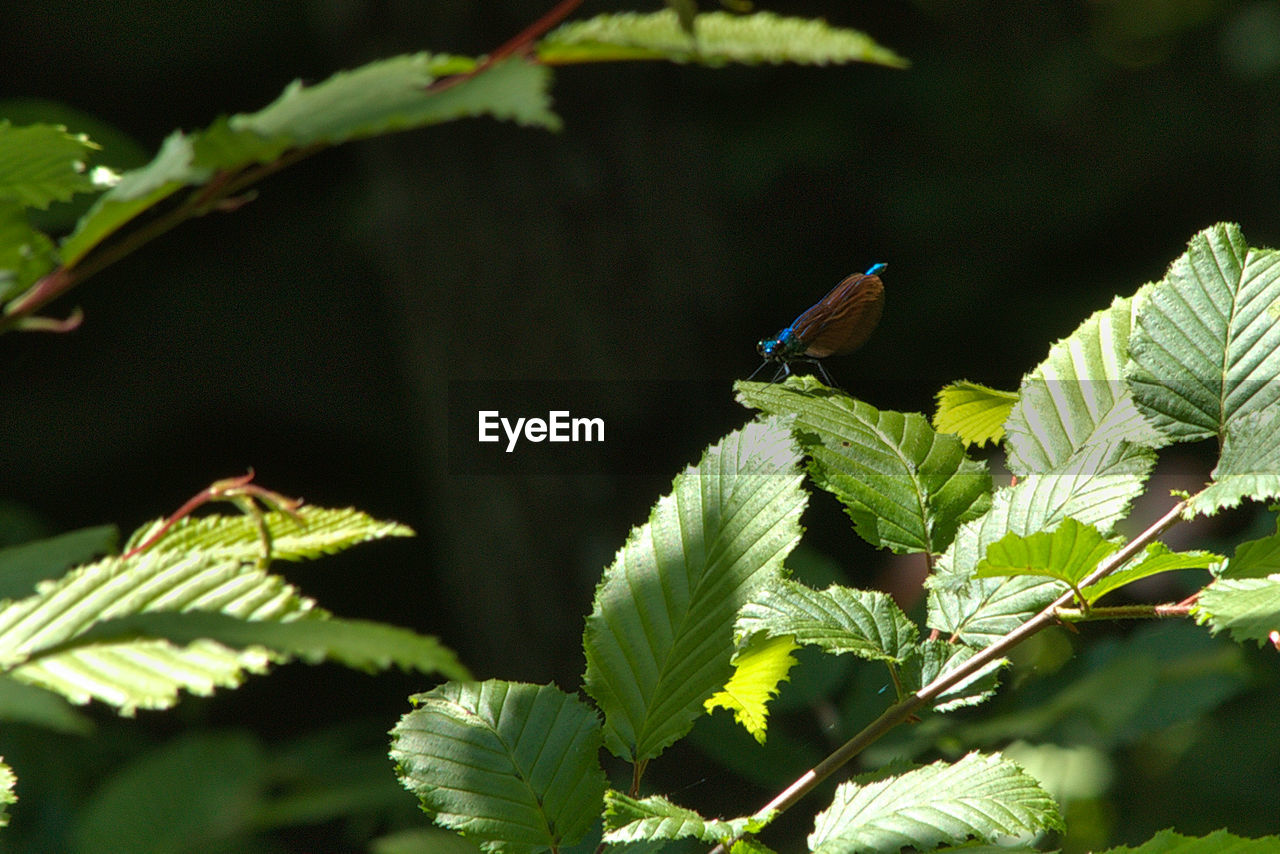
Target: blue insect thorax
<point>784,345</point>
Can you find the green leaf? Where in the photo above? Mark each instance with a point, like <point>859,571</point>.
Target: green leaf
<point>628,819</point>
<point>139,674</point>
<point>1155,559</point>
<point>23,703</point>
<point>1068,553</point>
<point>1249,467</point>
<point>512,767</point>
<point>750,845</point>
<point>759,669</point>
<point>381,97</point>
<point>309,532</point>
<point>1218,842</point>
<point>392,95</point>
<point>719,38</point>
<point>934,658</point>
<point>26,254</point>
<point>1072,551</point>
<point>207,565</point>
<point>23,566</point>
<point>41,164</point>
<point>1206,349</point>
<point>1096,488</point>
<point>982,797</point>
<point>867,623</point>
<point>138,189</point>
<point>1077,397</point>
<point>906,486</point>
<point>194,790</point>
<point>973,412</point>
<point>1255,558</point>
<point>359,644</point>
<point>1249,608</point>
<point>659,638</point>
<point>7,797</point>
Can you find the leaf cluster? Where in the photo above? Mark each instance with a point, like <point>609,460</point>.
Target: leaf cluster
<point>196,611</point>
<point>697,611</point>
<point>214,169</point>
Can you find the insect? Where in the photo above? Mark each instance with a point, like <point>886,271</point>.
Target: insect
<point>839,323</point>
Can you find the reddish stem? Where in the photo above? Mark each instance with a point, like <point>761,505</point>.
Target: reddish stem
<point>222,489</point>
<point>519,44</point>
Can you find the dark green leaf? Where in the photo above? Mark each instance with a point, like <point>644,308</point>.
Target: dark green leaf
<point>1255,558</point>
<point>23,566</point>
<point>41,164</point>
<point>839,619</point>
<point>1249,467</point>
<point>906,486</point>
<point>1218,842</point>
<point>1206,347</point>
<point>513,767</point>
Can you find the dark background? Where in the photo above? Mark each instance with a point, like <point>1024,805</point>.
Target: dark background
<point>1036,159</point>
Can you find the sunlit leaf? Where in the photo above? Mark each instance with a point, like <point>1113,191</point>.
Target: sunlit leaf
<point>1077,398</point>
<point>1154,559</point>
<point>359,644</point>
<point>758,671</point>
<point>1096,489</point>
<point>628,819</point>
<point>7,797</point>
<point>978,797</point>
<point>308,532</point>
<point>659,638</point>
<point>1068,553</point>
<point>47,638</point>
<point>718,38</point>
<point>973,412</point>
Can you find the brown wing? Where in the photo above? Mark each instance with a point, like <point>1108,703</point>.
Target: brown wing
<point>844,319</point>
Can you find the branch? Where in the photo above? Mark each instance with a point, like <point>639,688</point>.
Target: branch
<point>220,193</point>
<point>1124,612</point>
<point>905,708</point>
